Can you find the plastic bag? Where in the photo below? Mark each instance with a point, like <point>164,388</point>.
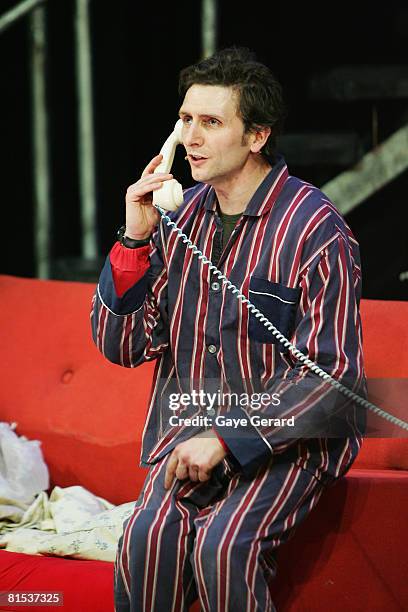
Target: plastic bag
<point>23,472</point>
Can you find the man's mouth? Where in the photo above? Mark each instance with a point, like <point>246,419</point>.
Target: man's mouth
<point>196,160</point>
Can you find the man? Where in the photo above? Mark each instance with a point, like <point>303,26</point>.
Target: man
<point>226,487</point>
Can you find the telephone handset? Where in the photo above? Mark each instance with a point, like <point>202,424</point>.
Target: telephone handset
<point>170,195</point>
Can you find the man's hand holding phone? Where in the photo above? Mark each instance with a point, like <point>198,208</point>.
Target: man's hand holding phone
<point>141,215</point>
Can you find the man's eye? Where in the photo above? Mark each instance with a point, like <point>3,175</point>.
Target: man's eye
<point>186,120</point>
<point>213,121</point>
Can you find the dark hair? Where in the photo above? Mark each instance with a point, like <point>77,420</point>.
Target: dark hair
<point>260,95</point>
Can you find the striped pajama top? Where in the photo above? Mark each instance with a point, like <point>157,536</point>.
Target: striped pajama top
<point>293,255</point>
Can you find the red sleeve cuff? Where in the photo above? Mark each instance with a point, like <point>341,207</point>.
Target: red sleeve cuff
<point>225,447</point>
<point>128,266</point>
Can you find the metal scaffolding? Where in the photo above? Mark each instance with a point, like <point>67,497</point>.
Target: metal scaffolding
<point>377,168</point>
<point>40,137</point>
<point>41,170</point>
<point>208,27</point>
<point>86,157</point>
<point>17,12</point>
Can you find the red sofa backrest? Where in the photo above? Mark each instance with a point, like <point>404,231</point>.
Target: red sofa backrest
<point>89,413</point>
<point>385,344</point>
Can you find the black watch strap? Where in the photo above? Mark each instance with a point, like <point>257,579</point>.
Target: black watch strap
<point>130,243</point>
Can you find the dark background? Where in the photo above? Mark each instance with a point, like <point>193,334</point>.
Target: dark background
<point>138,49</point>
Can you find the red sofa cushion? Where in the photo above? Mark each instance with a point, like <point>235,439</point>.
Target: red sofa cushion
<point>350,552</point>
<point>86,585</point>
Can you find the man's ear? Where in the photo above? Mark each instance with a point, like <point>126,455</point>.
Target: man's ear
<point>259,135</point>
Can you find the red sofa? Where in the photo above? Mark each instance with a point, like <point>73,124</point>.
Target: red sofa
<point>349,554</point>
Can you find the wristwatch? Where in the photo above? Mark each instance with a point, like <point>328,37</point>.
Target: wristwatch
<point>130,243</point>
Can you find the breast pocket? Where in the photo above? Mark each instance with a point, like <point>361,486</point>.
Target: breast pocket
<point>278,303</point>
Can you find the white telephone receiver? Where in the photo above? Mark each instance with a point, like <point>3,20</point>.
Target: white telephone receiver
<point>170,195</point>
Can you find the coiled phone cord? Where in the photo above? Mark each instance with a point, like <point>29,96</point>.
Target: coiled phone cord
<point>298,354</point>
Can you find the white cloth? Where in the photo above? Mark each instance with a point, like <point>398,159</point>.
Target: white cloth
<point>71,522</point>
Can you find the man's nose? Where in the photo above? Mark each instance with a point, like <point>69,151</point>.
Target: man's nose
<point>193,134</point>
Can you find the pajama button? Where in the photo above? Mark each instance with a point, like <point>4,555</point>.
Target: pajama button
<point>211,348</point>
<point>215,286</point>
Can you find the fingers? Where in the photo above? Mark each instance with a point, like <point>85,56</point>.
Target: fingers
<point>177,469</point>
<point>193,473</point>
<point>203,475</point>
<point>141,189</point>
<point>197,474</point>
<point>182,471</point>
<point>189,460</point>
<point>146,185</point>
<point>170,470</point>
<point>152,165</point>
<point>149,179</point>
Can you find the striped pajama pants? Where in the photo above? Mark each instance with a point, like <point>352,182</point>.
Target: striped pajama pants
<point>212,540</point>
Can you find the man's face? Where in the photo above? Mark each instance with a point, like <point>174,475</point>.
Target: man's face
<point>213,134</point>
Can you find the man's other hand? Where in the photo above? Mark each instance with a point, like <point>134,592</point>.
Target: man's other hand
<point>195,458</point>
